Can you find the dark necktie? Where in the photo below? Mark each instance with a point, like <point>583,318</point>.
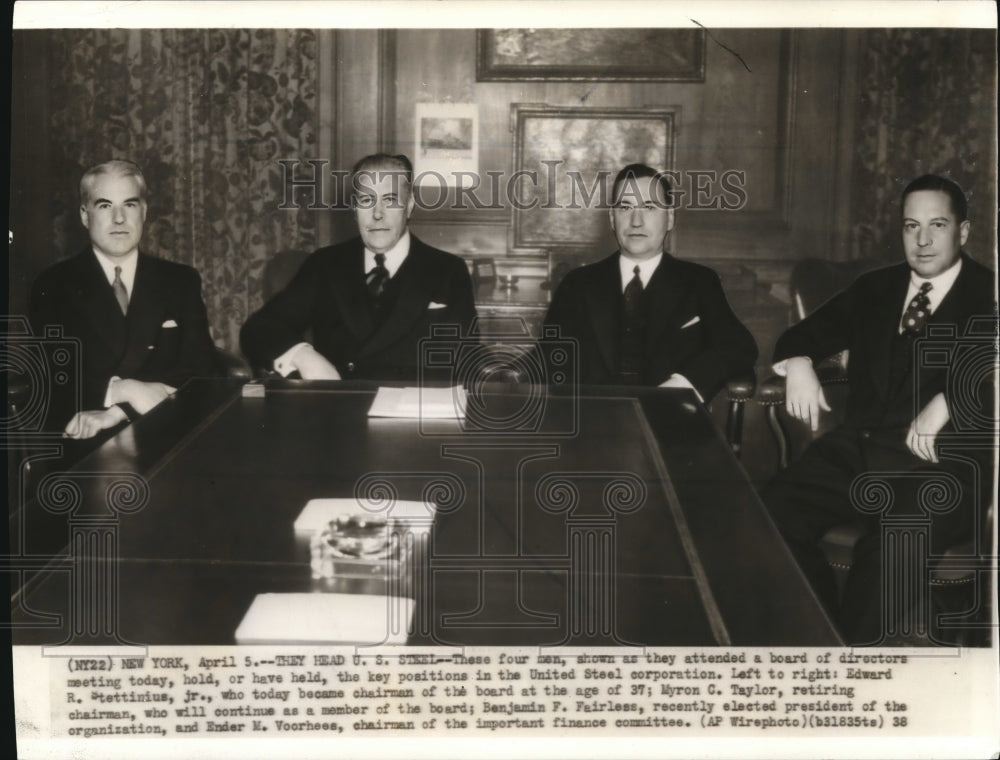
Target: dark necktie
<point>375,279</point>
<point>917,312</point>
<point>633,295</point>
<point>630,352</point>
<point>121,295</point>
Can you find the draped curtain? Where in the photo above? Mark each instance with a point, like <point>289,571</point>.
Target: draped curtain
<point>207,114</point>
<point>926,104</point>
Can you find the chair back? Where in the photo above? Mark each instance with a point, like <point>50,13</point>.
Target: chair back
<point>280,269</point>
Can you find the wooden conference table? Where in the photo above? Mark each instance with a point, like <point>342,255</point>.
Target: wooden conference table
<point>612,516</point>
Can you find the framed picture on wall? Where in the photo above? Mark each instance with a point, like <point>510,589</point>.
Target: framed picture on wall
<point>447,144</point>
<point>637,55</point>
<point>565,160</point>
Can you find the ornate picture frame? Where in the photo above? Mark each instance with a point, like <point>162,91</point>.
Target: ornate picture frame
<point>565,160</point>
<point>631,55</point>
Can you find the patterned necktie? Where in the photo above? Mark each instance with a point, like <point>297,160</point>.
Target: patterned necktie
<point>917,312</point>
<point>121,295</point>
<point>633,294</point>
<point>375,279</point>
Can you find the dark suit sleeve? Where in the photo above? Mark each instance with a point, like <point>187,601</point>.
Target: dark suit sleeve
<point>283,321</point>
<point>729,347</point>
<point>823,333</point>
<point>461,297</point>
<point>196,352</point>
<point>43,310</point>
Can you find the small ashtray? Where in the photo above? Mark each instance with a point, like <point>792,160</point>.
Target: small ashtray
<point>507,281</point>
<point>359,545</point>
<point>357,536</point>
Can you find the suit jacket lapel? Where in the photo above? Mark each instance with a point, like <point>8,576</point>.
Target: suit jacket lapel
<point>884,327</point>
<point>96,301</point>
<point>414,280</point>
<point>144,312</point>
<point>663,294</point>
<point>349,285</point>
<point>604,296</point>
<point>952,310</point>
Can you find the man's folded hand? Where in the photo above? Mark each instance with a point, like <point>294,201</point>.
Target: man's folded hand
<point>88,424</point>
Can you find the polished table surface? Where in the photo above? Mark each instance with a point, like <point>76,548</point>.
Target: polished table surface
<point>610,516</point>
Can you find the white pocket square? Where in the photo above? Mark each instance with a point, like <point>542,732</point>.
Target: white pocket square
<point>169,323</point>
<point>692,321</point>
<point>436,305</point>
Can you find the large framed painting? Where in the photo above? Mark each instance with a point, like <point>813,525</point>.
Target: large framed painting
<point>565,160</point>
<point>636,55</point>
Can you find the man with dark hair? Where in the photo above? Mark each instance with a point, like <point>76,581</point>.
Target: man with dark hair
<point>140,320</point>
<point>641,316</point>
<point>369,301</point>
<point>897,408</point>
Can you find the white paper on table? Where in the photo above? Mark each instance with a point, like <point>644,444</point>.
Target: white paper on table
<point>318,513</point>
<point>420,403</point>
<point>325,619</point>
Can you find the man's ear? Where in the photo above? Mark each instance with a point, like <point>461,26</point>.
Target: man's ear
<point>670,219</point>
<point>964,228</point>
<point>84,217</point>
<point>410,203</point>
<point>611,217</point>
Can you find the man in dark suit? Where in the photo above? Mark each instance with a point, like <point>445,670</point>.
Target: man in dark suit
<point>367,302</point>
<point>900,404</point>
<point>140,320</point>
<point>642,317</point>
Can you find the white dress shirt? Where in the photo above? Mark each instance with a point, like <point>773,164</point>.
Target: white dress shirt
<point>284,365</point>
<point>128,264</point>
<point>940,286</point>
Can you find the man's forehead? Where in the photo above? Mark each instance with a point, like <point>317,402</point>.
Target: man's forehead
<point>380,182</point>
<point>114,185</point>
<point>641,190</point>
<point>933,202</point>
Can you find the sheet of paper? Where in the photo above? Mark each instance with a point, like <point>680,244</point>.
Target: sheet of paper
<point>325,619</point>
<point>419,403</point>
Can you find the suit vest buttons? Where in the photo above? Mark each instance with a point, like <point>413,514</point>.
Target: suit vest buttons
<point>350,366</point>
<point>866,434</point>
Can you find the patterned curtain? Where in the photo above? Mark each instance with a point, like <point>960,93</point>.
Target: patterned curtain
<point>207,114</point>
<point>926,104</point>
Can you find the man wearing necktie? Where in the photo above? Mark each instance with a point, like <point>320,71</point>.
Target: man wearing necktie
<point>365,304</point>
<point>140,320</point>
<point>899,403</point>
<point>643,317</point>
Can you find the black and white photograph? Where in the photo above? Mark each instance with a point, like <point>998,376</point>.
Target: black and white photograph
<point>382,378</point>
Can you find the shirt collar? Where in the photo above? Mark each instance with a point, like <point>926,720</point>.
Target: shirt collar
<point>394,257</point>
<point>128,263</point>
<point>942,283</point>
<point>646,268</point>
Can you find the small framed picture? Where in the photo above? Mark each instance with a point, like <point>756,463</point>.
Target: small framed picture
<point>484,271</point>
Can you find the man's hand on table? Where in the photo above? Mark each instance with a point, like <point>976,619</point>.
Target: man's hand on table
<point>312,365</point>
<point>88,424</point>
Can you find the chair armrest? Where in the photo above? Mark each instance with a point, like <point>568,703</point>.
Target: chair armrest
<point>741,388</point>
<point>232,365</point>
<point>772,390</point>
